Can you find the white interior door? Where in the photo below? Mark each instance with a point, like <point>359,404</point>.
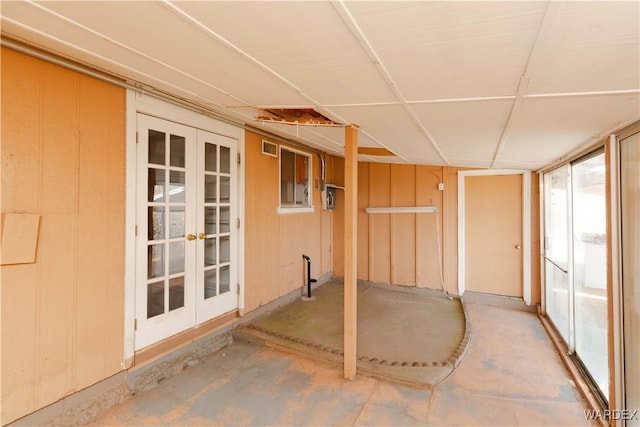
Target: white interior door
<point>186,241</point>
<point>217,290</point>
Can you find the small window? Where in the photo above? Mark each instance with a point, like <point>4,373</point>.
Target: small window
<point>295,181</point>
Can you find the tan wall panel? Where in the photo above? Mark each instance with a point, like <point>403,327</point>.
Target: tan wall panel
<point>380,224</point>
<point>18,341</point>
<point>403,226</point>
<point>363,221</point>
<point>428,254</point>
<point>335,170</point>
<point>276,242</point>
<point>63,142</point>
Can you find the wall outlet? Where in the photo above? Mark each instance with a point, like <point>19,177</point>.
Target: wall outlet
<point>441,186</point>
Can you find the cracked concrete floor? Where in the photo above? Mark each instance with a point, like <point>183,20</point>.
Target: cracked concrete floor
<point>510,375</point>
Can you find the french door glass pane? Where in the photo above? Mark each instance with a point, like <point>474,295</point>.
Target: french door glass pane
<point>157,147</point>
<point>210,189</point>
<point>155,223</point>
<point>176,293</point>
<point>177,187</point>
<point>590,267</point>
<point>225,160</point>
<point>156,185</point>
<point>155,261</point>
<point>210,283</point>
<point>177,151</point>
<point>155,299</point>
<point>210,157</point>
<point>225,284</point>
<point>557,249</point>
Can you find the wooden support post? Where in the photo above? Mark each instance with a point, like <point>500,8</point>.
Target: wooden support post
<point>350,250</point>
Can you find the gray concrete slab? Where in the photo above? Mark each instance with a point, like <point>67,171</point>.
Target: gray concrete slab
<point>510,375</point>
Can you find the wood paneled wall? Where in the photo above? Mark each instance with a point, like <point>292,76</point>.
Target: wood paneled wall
<point>276,242</point>
<point>63,140</point>
<point>414,249</point>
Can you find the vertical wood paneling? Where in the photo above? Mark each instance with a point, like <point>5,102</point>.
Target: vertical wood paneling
<point>403,227</point>
<point>428,262</point>
<point>380,224</point>
<point>275,242</point>
<point>363,221</point>
<point>337,246</point>
<point>63,135</point>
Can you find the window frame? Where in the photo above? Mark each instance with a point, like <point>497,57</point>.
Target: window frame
<point>287,209</point>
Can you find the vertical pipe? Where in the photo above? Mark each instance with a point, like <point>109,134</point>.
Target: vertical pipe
<point>350,250</point>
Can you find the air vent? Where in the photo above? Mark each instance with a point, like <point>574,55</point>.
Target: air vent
<point>269,149</point>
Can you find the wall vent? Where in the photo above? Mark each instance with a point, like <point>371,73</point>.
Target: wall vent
<point>269,149</point>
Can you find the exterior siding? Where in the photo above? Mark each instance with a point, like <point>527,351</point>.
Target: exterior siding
<point>63,158</point>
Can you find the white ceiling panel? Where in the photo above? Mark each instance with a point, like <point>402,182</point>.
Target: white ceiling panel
<point>391,125</point>
<point>306,42</point>
<point>468,132</point>
<point>591,46</point>
<point>172,41</point>
<point>431,81</point>
<point>546,129</point>
<point>446,50</point>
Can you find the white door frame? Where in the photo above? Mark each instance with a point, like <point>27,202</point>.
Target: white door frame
<point>526,226</point>
<point>144,103</point>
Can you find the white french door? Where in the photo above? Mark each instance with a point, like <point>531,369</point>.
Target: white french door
<point>186,241</point>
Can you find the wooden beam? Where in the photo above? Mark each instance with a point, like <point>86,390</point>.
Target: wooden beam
<point>372,151</point>
<point>350,250</point>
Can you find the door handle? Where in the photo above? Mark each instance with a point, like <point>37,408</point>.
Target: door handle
<point>191,237</point>
<point>517,246</point>
<point>202,236</point>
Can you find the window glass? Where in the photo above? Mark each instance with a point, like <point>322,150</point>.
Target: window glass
<point>294,179</point>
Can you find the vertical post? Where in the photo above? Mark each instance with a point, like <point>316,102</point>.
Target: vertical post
<point>350,250</point>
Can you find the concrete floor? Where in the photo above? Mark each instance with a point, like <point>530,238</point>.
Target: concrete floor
<point>510,375</point>
<point>410,335</point>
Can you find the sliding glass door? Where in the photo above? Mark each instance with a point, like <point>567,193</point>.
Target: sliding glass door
<point>576,261</point>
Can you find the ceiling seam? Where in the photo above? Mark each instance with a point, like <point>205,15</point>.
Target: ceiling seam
<point>251,59</point>
<point>366,46</point>
<point>136,52</point>
<point>546,23</point>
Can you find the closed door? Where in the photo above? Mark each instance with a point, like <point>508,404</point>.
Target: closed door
<point>185,242</point>
<point>493,234</point>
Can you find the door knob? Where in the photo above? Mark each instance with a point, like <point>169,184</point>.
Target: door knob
<point>517,246</point>
<point>202,236</point>
<point>191,237</point>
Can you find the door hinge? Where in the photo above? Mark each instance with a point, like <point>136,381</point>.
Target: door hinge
<point>136,230</point>
<point>137,137</point>
<point>135,324</point>
<point>238,223</point>
<point>238,158</point>
<point>238,288</point>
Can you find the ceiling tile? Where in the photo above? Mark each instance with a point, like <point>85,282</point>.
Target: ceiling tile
<point>467,132</point>
<point>305,42</point>
<point>546,129</point>
<point>446,50</point>
<point>591,46</point>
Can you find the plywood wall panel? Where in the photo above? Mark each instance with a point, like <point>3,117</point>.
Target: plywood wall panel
<point>18,342</point>
<point>380,224</point>
<point>63,139</point>
<point>276,242</point>
<point>55,308</point>
<point>429,228</point>
<point>403,226</point>
<point>363,221</point>
<point>20,131</point>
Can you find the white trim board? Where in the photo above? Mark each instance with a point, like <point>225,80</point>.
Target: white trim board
<point>526,226</point>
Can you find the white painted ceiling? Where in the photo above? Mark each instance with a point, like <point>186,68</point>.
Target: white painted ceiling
<point>480,84</point>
